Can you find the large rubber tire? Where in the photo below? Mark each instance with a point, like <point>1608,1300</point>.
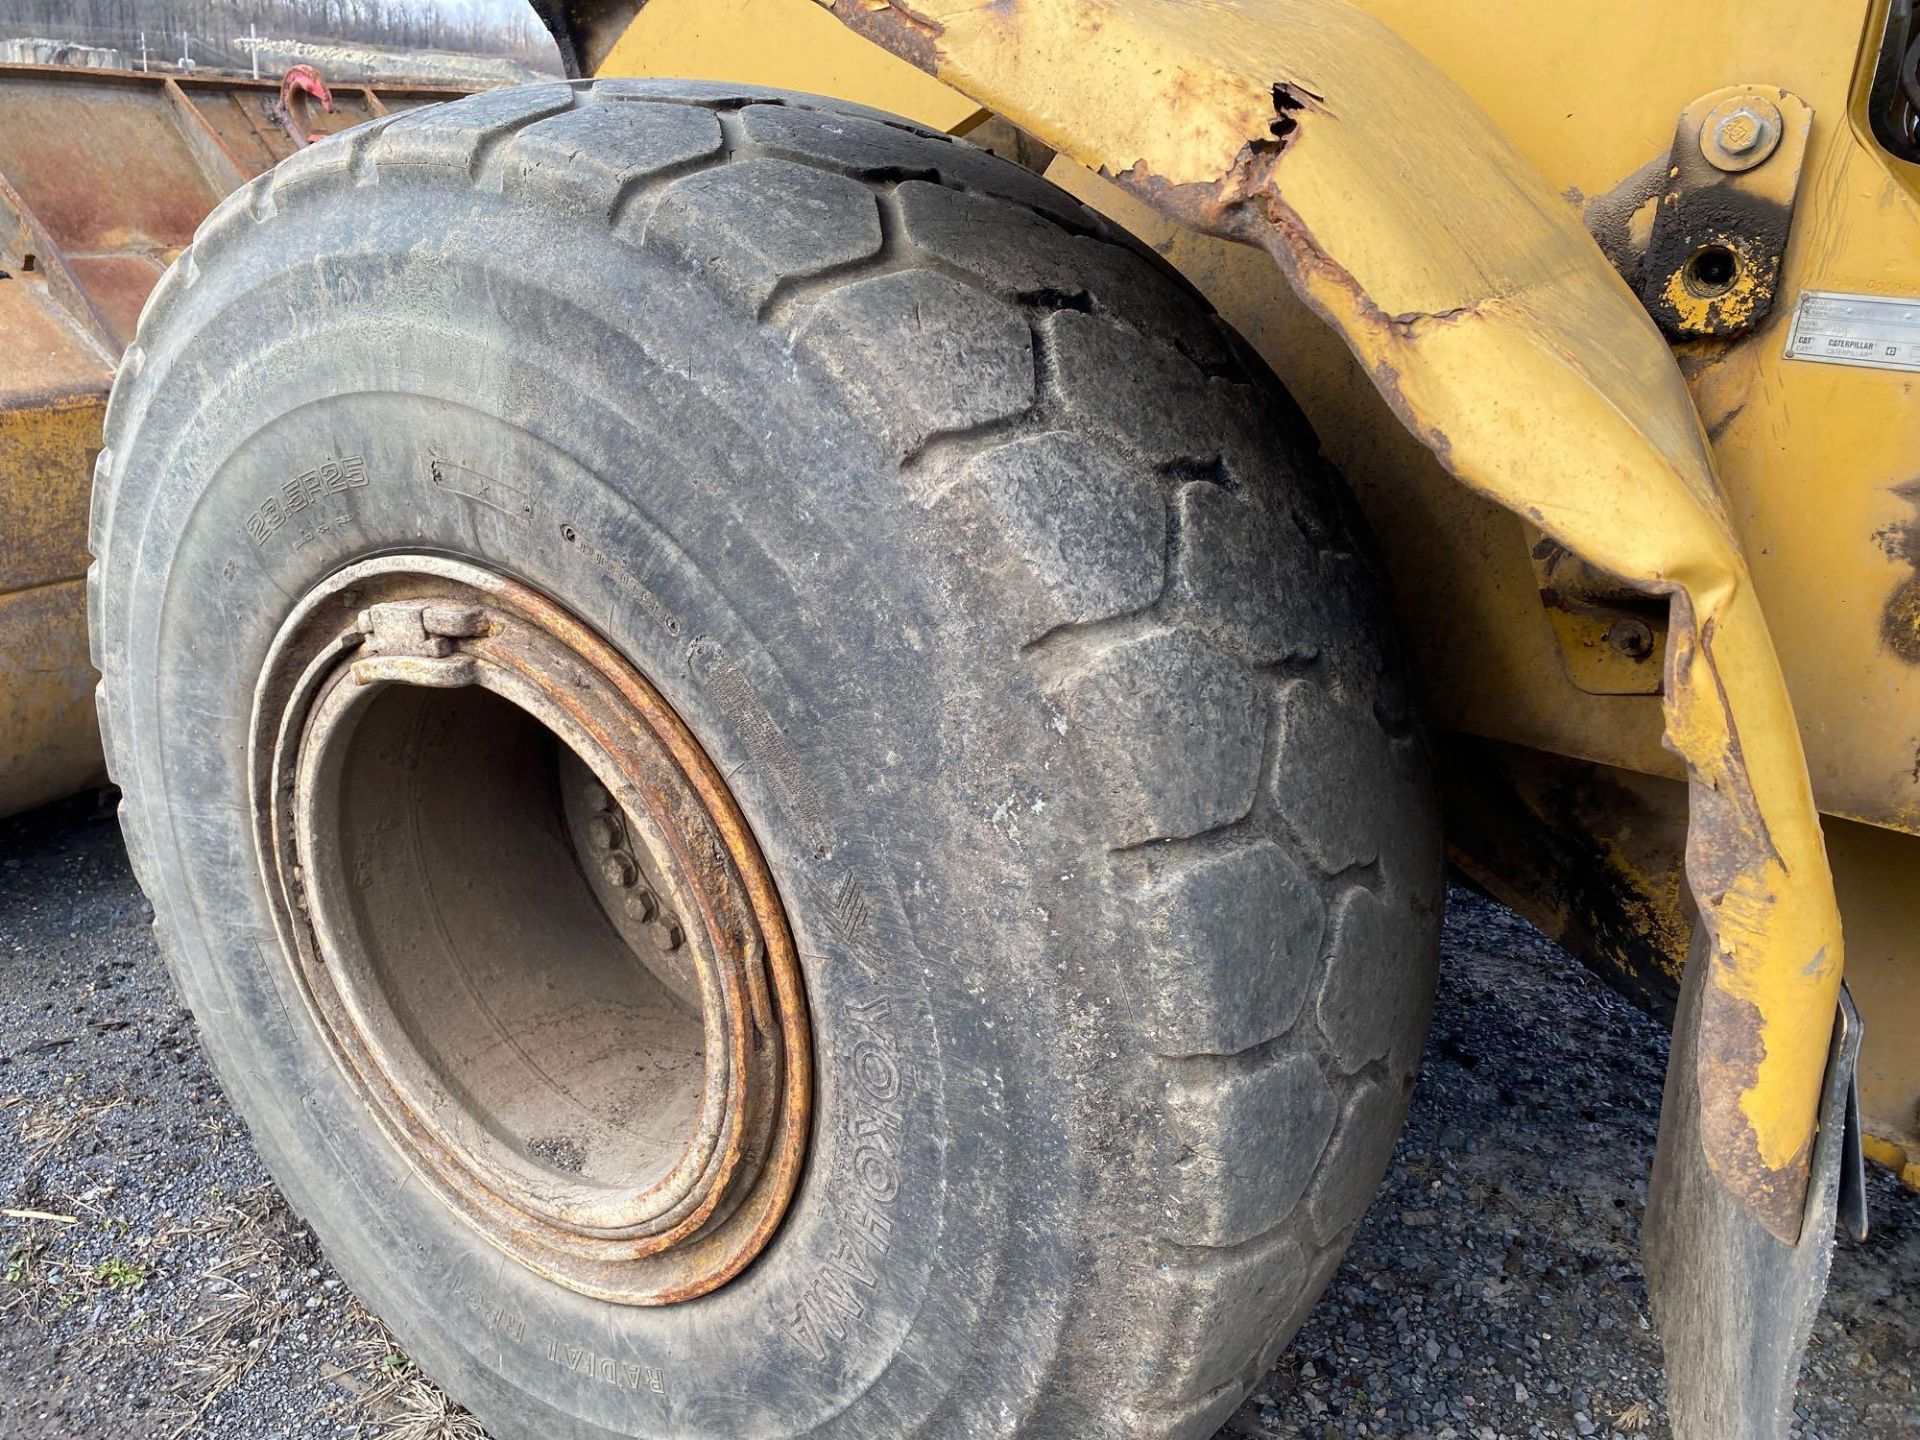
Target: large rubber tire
<point>1011,597</point>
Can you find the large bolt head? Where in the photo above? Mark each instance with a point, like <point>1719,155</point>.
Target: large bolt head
<point>1740,132</point>
<point>1632,638</point>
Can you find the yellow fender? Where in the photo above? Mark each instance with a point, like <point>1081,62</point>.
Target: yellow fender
<point>1495,329</point>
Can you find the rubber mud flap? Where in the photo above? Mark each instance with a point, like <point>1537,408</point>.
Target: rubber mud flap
<point>1735,1305</point>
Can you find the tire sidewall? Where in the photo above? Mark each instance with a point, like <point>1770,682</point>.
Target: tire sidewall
<point>724,572</point>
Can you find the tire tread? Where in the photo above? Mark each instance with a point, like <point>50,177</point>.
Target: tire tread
<point>1169,601</point>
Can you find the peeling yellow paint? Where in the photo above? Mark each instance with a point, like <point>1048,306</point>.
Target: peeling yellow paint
<point>1733,306</point>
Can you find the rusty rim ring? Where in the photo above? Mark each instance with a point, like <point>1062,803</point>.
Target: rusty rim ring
<point>686,1225</point>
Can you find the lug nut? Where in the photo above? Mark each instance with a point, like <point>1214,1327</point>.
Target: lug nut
<point>642,906</point>
<point>617,870</point>
<point>603,832</point>
<point>671,935</point>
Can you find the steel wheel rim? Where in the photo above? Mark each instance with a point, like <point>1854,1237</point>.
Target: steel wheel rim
<point>447,647</point>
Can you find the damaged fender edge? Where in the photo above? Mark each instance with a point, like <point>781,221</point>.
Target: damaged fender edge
<point>1500,336</point>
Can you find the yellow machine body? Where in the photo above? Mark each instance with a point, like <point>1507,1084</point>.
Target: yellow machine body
<point>1664,589</point>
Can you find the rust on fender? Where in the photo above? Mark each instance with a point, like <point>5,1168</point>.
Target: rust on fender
<point>1501,337</point>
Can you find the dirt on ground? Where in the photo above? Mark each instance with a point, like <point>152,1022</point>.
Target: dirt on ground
<point>153,1284</point>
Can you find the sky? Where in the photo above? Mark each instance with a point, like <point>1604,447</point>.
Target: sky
<point>498,11</point>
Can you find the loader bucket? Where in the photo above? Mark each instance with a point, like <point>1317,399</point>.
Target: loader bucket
<point>104,176</point>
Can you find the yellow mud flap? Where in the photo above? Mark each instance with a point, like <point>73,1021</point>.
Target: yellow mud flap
<point>1498,333</point>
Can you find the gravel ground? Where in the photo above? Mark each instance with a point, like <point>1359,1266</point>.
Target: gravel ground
<point>1494,1290</point>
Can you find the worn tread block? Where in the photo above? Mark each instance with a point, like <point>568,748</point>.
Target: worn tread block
<point>868,146</point>
<point>750,225</point>
<point>1075,536</point>
<point>584,159</point>
<point>324,164</point>
<point>1238,568</point>
<point>100,508</point>
<point>1261,919</point>
<point>1359,629</point>
<point>1251,1134</point>
<point>452,136</point>
<point>671,91</point>
<point>984,171</point>
<point>1150,396</point>
<point>1376,980</point>
<point>1018,253</point>
<point>1169,730</point>
<point>853,143</point>
<point>720,95</point>
<point>234,220</point>
<point>1187,1419</point>
<point>1330,756</point>
<point>94,600</point>
<point>1223,1310</point>
<point>1354,1163</point>
<point>921,353</point>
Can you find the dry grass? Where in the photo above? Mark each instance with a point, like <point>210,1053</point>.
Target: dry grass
<point>1636,1416</point>
<point>240,1302</point>
<point>33,1273</point>
<point>24,1271</point>
<point>248,1295</point>
<point>421,1412</point>
<point>239,1310</point>
<point>50,1125</point>
<point>398,1402</point>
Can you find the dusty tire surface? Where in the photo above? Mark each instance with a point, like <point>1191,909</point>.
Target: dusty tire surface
<point>1025,624</point>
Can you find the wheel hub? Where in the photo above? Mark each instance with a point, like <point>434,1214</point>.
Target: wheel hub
<point>533,926</point>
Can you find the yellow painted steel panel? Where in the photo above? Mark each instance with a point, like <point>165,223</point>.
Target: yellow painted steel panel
<point>44,355</point>
<point>1818,461</point>
<point>49,739</point>
<point>1877,873</point>
<point>788,44</point>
